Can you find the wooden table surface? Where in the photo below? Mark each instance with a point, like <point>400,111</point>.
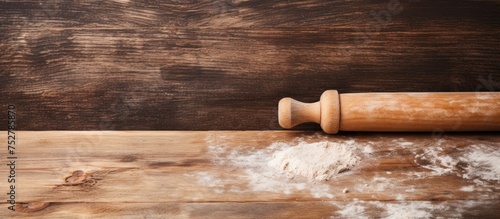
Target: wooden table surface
<point>223,174</point>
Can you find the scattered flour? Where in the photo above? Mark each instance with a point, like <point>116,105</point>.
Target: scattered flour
<point>406,143</point>
<point>477,162</point>
<point>256,166</point>
<point>262,178</point>
<point>402,210</point>
<point>257,174</point>
<point>299,167</point>
<point>410,190</point>
<point>410,210</point>
<point>319,161</point>
<point>403,143</point>
<point>353,210</point>
<point>484,163</point>
<point>439,164</point>
<point>381,184</point>
<point>467,189</point>
<point>368,149</point>
<point>206,179</point>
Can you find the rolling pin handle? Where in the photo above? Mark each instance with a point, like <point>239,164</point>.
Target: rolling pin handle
<point>326,112</point>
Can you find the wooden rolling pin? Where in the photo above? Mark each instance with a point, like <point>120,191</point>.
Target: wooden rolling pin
<point>453,111</point>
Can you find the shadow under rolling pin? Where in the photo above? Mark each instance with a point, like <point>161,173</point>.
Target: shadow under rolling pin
<point>399,112</point>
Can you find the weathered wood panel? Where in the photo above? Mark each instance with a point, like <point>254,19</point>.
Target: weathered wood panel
<point>306,210</point>
<point>201,65</point>
<point>210,174</point>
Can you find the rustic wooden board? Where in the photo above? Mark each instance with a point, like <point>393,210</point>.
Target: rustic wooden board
<point>305,210</point>
<point>156,174</point>
<point>200,65</point>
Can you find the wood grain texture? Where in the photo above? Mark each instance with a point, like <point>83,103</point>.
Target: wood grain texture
<point>269,210</point>
<point>200,65</point>
<point>156,174</point>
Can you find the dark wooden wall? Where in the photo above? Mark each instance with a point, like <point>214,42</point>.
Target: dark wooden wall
<point>224,64</point>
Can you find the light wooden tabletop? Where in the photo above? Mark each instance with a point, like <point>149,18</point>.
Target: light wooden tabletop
<point>179,174</point>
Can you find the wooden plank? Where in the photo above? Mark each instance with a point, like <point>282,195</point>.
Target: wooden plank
<point>200,65</point>
<point>154,171</point>
<point>248,14</point>
<point>325,209</point>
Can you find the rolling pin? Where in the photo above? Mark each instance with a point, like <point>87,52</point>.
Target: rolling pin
<point>401,112</point>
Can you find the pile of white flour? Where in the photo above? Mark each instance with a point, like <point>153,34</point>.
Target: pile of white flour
<point>281,167</point>
<point>319,160</point>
